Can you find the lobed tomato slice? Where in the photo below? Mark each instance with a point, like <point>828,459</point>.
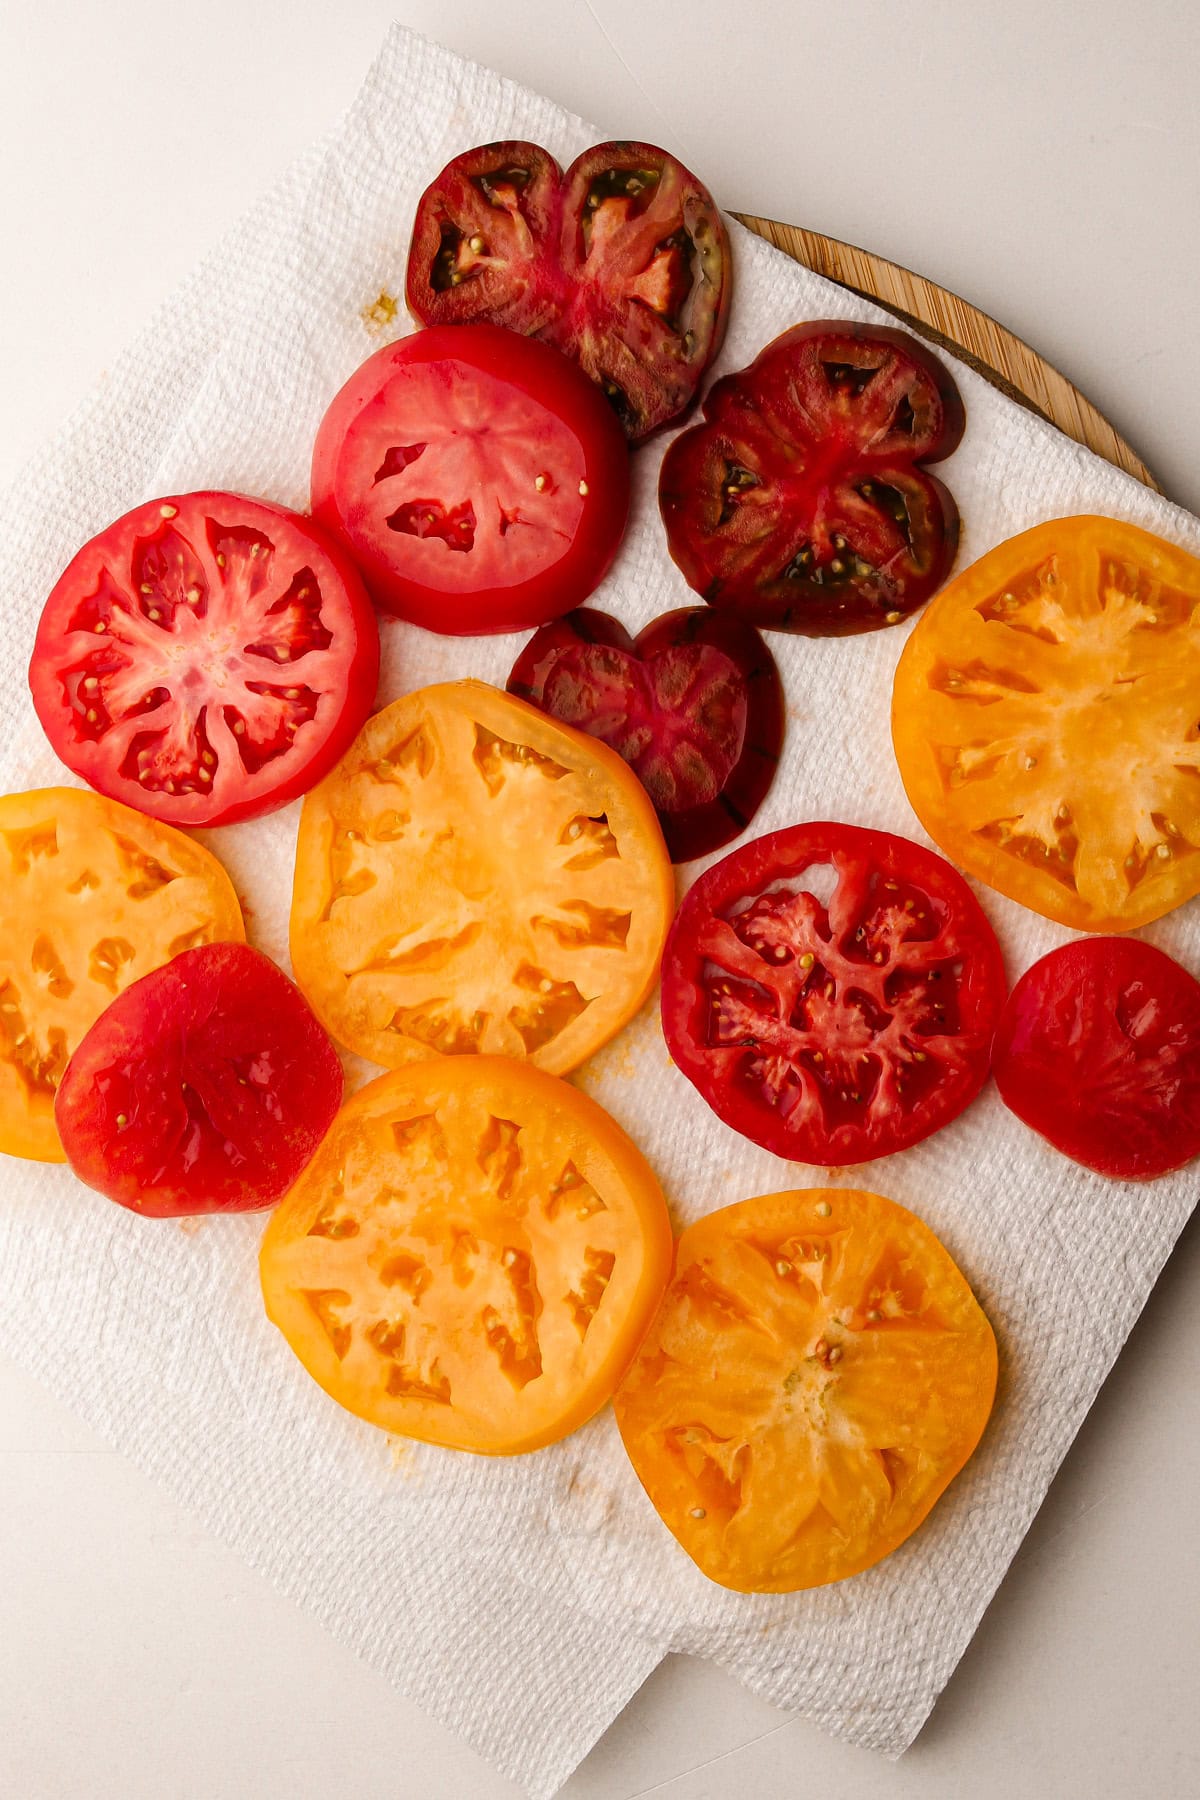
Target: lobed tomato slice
<point>832,1030</point>
<point>803,503</point>
<point>95,896</point>
<point>477,479</point>
<point>694,705</point>
<point>1098,1049</point>
<point>205,658</point>
<point>471,1257</point>
<point>205,1087</point>
<point>623,263</point>
<point>474,877</point>
<point>818,1373</point>
<point>1046,722</point>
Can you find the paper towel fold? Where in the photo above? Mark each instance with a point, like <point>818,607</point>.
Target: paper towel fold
<point>523,1602</point>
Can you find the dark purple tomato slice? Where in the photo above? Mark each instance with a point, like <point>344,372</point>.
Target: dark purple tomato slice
<point>803,502</point>
<point>832,1030</point>
<point>622,263</point>
<point>205,1087</point>
<point>1098,1049</point>
<point>694,704</point>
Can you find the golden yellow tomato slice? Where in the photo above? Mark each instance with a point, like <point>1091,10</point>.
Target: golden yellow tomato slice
<point>471,1257</point>
<point>474,876</point>
<point>1046,719</point>
<point>94,896</point>
<point>818,1373</point>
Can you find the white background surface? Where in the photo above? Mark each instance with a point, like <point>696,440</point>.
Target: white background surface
<point>1043,161</point>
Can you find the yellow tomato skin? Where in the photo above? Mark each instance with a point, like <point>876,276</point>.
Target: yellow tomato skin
<point>818,1373</point>
<point>472,1256</point>
<point>94,896</point>
<point>1045,721</point>
<point>475,877</point>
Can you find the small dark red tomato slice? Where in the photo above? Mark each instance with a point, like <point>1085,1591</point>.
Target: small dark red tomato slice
<point>623,263</point>
<point>832,992</point>
<point>694,704</point>
<point>1098,1049</point>
<point>205,658</point>
<point>478,480</point>
<point>205,1087</point>
<point>803,502</point>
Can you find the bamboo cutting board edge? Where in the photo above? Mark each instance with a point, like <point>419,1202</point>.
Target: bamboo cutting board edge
<point>955,325</point>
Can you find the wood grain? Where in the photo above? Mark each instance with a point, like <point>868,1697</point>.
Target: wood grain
<point>946,320</point>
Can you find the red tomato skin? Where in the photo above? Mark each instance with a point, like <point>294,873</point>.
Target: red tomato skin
<point>1098,1051</point>
<point>351,676</point>
<point>340,490</point>
<point>862,859</point>
<point>224,1078</point>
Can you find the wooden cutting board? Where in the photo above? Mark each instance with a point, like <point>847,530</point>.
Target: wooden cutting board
<point>946,320</point>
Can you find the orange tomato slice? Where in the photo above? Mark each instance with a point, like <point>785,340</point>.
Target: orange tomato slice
<point>95,895</point>
<point>818,1373</point>
<point>1046,720</point>
<point>474,876</point>
<point>471,1257</point>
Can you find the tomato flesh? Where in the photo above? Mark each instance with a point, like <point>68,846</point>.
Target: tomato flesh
<point>476,477</point>
<point>1098,1049</point>
<point>694,705</point>
<point>832,1031</point>
<point>1046,722</point>
<point>205,1087</point>
<point>623,263</point>
<point>205,658</point>
<point>471,1257</point>
<point>803,502</point>
<point>818,1373</point>
<point>475,877</point>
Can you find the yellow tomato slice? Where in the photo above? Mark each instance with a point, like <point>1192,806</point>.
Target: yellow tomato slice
<point>474,876</point>
<point>471,1257</point>
<point>1046,719</point>
<point>95,895</point>
<point>818,1373</point>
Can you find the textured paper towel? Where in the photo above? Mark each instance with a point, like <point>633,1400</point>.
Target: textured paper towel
<point>523,1602</point>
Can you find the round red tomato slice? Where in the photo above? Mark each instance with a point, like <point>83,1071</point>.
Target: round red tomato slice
<point>803,502</point>
<point>1098,1049</point>
<point>478,479</point>
<point>694,704</point>
<point>832,992</point>
<point>205,1087</point>
<point>623,263</point>
<point>205,658</point>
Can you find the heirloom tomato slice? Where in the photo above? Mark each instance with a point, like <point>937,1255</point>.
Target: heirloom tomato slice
<point>475,876</point>
<point>1098,1049</point>
<point>832,1030</point>
<point>1046,720</point>
<point>818,1373</point>
<point>204,1087</point>
<point>479,481</point>
<point>95,895</point>
<point>694,705</point>
<point>471,1257</point>
<point>205,658</point>
<point>803,502</point>
<point>623,263</point>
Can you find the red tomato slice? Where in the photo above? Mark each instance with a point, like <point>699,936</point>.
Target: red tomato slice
<point>803,503</point>
<point>205,658</point>
<point>1098,1049</point>
<point>479,481</point>
<point>832,1030</point>
<point>694,705</point>
<point>205,1087</point>
<point>623,263</point>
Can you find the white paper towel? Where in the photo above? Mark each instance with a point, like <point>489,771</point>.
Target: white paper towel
<point>522,1602</point>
